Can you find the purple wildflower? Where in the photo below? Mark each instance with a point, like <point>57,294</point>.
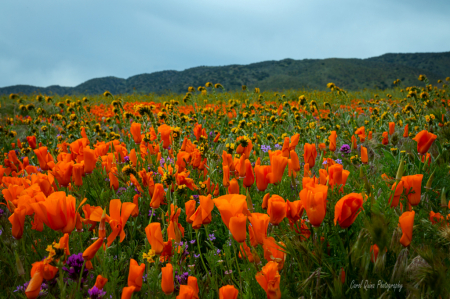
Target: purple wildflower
<point>74,265</point>
<point>265,148</point>
<point>345,149</point>
<point>95,293</point>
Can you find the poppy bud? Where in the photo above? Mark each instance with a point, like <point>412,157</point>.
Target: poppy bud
<point>167,284</point>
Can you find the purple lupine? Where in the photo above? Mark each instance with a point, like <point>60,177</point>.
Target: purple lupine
<point>345,149</point>
<point>74,265</point>
<point>95,293</point>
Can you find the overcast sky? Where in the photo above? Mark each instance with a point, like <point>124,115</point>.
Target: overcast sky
<point>66,42</point>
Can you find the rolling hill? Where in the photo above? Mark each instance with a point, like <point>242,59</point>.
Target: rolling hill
<point>350,74</point>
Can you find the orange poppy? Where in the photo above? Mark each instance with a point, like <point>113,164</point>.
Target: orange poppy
<point>135,275</point>
<point>406,222</point>
<point>385,140</point>
<point>32,141</point>
<point>90,252</point>
<point>100,282</point>
<point>310,154</point>
<point>274,252</point>
<point>228,292</point>
<point>260,223</point>
<point>119,214</point>
<point>394,200</point>
<point>276,209</point>
<point>34,287</point>
<point>315,206</point>
<point>154,237</point>
<point>135,130</point>
<point>406,131</point>
<point>413,188</point>
<point>269,279</point>
<point>347,209</point>
<point>391,128</point>
<point>424,141</point>
<point>364,157</point>
<point>166,135</point>
<point>278,164</point>
<point>203,213</point>
<point>332,138</point>
<point>167,283</point>
<point>238,224</point>
<point>230,205</point>
<point>158,196</point>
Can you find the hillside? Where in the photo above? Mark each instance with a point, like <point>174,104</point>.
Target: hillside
<point>351,74</point>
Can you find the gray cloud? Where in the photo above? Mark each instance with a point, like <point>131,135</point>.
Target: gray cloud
<point>68,42</point>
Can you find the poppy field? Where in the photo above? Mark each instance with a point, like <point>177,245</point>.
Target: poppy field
<point>227,194</point>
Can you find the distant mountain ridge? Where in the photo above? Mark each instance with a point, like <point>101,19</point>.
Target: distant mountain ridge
<point>350,74</point>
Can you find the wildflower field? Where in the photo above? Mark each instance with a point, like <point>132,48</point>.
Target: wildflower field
<point>216,194</point>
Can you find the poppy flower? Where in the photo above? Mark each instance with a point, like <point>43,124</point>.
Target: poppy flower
<point>100,282</point>
<point>261,174</point>
<point>391,128</point>
<point>413,188</point>
<point>374,250</point>
<point>192,282</point>
<point>234,187</point>
<point>406,222</point>
<point>32,141</point>
<point>394,200</point>
<point>63,172</point>
<point>436,217</point>
<point>285,148</point>
<point>203,213</point>
<point>269,279</point>
<point>294,211</point>
<point>347,209</point>
<point>166,135</point>
<point>260,223</point>
<point>354,143</point>
<point>57,211</point>
<point>45,160</point>
<point>406,131</point>
<point>315,206</point>
<point>238,226</point>
<point>127,292</point>
<point>167,283</point>
<point>228,292</point>
<point>34,287</point>
<point>424,141</point>
<point>230,205</point>
<point>249,176</point>
<point>135,275</point>
<point>274,252</point>
<point>332,139</point>
<point>48,271</point>
<point>189,207</point>
<point>89,160</point>
<point>364,157</point>
<point>186,292</point>
<point>77,173</point>
<point>361,132</point>
<point>310,154</point>
<point>385,140</point>
<point>154,237</point>
<point>158,196</point>
<point>17,220</point>
<point>276,209</point>
<point>135,131</point>
<point>278,164</point>
<point>119,214</point>
<point>89,253</point>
